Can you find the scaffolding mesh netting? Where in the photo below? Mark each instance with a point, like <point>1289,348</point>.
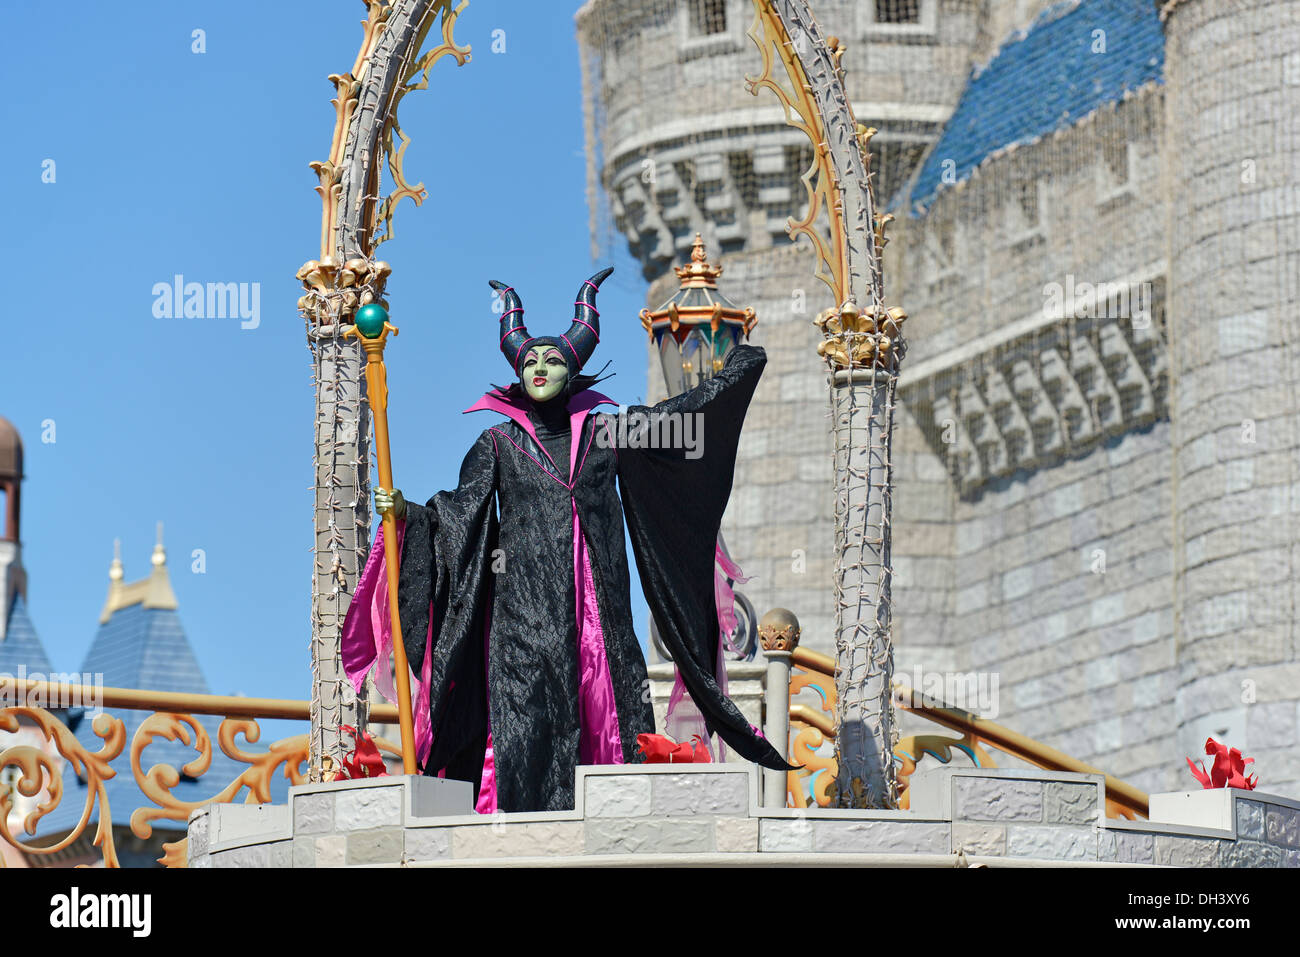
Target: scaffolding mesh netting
<point>1096,241</point>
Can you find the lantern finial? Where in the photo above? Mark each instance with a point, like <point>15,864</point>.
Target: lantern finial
<point>699,272</point>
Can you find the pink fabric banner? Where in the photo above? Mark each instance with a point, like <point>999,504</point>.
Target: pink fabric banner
<point>368,639</point>
<point>601,742</point>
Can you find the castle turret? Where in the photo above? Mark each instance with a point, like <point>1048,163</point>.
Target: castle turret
<point>679,144</point>
<point>1232,101</point>
<point>13,580</point>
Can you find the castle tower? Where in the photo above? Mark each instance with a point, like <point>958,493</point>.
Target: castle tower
<point>1097,452</point>
<point>1232,106</point>
<point>21,649</point>
<point>20,646</point>
<point>22,654</point>
<point>13,580</point>
<point>680,145</point>
<point>677,146</point>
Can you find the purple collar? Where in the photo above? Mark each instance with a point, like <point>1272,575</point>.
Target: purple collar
<point>578,406</point>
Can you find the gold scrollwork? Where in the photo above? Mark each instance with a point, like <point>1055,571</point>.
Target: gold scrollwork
<point>330,171</point>
<point>911,749</point>
<point>808,738</point>
<point>811,732</point>
<point>805,748</point>
<point>291,752</point>
<point>39,771</point>
<point>401,189</point>
<point>157,782</point>
<point>801,112</point>
<point>855,338</point>
<point>325,300</point>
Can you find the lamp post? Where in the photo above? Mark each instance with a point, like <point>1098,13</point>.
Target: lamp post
<point>693,332</point>
<point>696,328</point>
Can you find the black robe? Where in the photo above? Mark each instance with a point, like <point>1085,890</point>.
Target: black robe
<point>496,557</point>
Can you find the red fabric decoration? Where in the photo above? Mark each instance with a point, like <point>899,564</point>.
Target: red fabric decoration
<point>1227,770</point>
<point>365,761</point>
<point>659,749</point>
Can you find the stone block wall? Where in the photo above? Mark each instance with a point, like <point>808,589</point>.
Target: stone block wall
<point>698,814</point>
<point>1132,590</point>
<point>683,146</point>
<point>657,69</point>
<point>1233,117</point>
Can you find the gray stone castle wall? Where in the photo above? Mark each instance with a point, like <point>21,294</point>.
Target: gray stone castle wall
<point>1049,568</point>
<point>1234,145</point>
<point>1092,529</point>
<point>685,147</point>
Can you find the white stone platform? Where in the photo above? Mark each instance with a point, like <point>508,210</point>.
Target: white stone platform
<point>645,815</point>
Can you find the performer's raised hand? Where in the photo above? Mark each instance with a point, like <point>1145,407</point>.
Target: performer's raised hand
<point>385,500</point>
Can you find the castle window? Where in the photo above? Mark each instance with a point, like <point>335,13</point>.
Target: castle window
<point>1027,194</point>
<point>888,18</point>
<point>708,17</point>
<point>898,11</point>
<point>1115,180</point>
<point>1116,156</point>
<point>703,29</point>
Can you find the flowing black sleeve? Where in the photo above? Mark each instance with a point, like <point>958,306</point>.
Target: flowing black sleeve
<point>445,579</point>
<point>674,498</point>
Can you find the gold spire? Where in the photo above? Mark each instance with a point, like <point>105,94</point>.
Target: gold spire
<point>115,586</point>
<point>159,557</point>
<point>699,271</point>
<point>115,571</point>
<point>152,592</point>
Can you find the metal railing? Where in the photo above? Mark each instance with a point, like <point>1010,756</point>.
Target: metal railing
<point>38,783</point>
<point>812,727</point>
<point>39,778</point>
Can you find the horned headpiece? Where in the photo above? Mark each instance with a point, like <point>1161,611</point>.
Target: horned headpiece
<point>577,344</point>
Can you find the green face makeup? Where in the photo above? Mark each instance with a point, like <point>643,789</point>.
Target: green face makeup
<point>545,373</point>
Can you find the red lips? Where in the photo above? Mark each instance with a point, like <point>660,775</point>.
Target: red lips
<point>539,380</point>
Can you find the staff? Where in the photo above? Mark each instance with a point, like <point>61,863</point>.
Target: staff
<point>371,327</point>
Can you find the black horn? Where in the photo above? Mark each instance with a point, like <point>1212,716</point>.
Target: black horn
<point>514,334</point>
<point>584,333</point>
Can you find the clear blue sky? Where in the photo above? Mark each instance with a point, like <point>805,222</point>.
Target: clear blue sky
<point>168,162</point>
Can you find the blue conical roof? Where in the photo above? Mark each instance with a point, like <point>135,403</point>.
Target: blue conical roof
<point>1076,57</point>
<point>21,650</point>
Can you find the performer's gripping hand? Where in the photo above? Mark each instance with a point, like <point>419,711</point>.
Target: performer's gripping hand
<point>385,500</point>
